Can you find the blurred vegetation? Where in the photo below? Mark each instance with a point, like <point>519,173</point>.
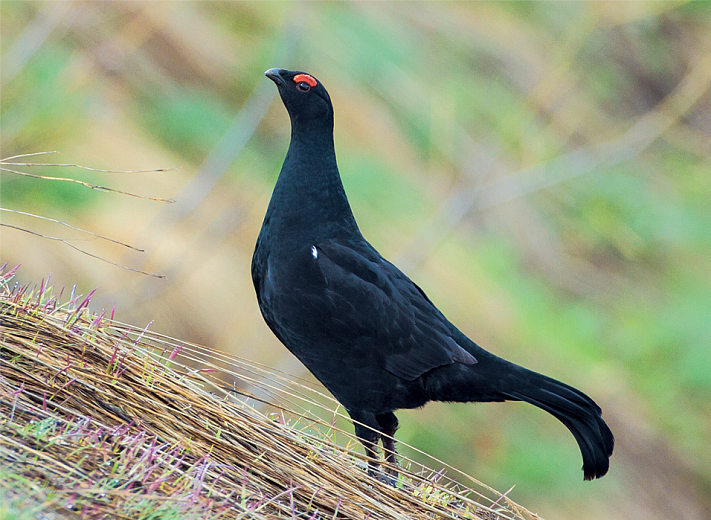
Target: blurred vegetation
<point>542,170</point>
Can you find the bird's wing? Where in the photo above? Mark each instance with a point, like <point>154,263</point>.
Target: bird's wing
<point>414,337</point>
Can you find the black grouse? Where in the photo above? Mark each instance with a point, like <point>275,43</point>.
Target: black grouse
<point>360,325</point>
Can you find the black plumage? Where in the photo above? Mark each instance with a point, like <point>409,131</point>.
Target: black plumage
<point>360,325</point>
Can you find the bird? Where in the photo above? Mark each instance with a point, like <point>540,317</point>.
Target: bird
<point>366,331</point>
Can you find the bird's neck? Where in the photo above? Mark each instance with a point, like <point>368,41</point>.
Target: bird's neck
<point>309,194</point>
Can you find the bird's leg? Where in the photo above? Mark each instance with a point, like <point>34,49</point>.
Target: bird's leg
<point>388,426</point>
<point>369,438</point>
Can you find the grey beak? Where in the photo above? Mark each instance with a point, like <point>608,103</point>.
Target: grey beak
<point>273,74</point>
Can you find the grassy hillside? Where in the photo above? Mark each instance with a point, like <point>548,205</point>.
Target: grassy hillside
<point>105,420</point>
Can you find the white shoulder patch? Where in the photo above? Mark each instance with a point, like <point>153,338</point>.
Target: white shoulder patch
<point>314,251</point>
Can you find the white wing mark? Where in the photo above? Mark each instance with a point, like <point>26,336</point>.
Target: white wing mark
<point>314,251</point>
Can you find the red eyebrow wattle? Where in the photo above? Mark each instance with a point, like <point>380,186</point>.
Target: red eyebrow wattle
<point>309,80</point>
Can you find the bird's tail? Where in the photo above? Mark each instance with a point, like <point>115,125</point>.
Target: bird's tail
<point>580,414</point>
<point>494,379</point>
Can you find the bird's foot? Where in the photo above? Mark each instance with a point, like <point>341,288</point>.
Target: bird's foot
<point>386,476</point>
<point>392,470</point>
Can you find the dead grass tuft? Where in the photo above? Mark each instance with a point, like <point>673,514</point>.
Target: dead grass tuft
<point>104,420</point>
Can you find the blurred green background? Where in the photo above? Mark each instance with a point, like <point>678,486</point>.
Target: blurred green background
<point>542,170</point>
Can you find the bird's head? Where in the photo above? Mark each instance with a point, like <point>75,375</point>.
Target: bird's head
<point>303,95</point>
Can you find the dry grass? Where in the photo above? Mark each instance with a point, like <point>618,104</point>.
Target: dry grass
<point>104,420</point>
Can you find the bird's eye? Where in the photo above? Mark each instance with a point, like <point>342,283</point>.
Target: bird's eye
<point>304,82</point>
